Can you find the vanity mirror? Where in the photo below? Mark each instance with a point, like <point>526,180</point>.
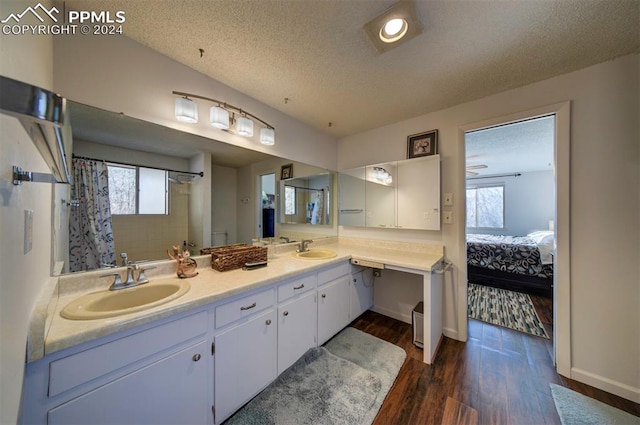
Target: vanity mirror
<point>232,175</point>
<point>398,194</point>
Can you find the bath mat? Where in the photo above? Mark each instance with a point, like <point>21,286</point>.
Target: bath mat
<point>325,387</point>
<point>577,409</point>
<point>505,308</point>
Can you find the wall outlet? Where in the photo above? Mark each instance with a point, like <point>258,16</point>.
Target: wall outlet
<point>448,200</point>
<point>447,217</point>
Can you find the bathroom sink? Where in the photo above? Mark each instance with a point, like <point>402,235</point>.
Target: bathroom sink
<point>98,305</point>
<point>315,254</point>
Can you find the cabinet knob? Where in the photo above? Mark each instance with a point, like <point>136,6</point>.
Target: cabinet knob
<point>324,295</point>
<point>355,280</point>
<point>196,357</point>
<point>268,322</point>
<point>286,313</point>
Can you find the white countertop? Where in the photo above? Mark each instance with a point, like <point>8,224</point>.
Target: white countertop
<point>207,287</point>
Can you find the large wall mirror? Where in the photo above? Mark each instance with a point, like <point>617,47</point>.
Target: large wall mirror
<point>152,165</point>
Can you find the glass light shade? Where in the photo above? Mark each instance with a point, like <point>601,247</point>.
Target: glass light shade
<point>393,26</point>
<point>219,117</point>
<point>186,110</point>
<point>244,127</point>
<point>267,136</point>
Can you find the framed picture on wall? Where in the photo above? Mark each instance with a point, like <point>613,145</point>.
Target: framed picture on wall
<point>286,172</point>
<point>422,144</point>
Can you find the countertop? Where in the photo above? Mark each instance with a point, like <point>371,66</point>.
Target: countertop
<point>50,332</point>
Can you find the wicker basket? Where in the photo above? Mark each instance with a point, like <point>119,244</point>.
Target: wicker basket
<point>234,256</point>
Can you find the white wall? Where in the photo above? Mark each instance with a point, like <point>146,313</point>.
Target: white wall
<point>529,202</point>
<point>605,278</point>
<point>224,202</point>
<point>23,275</point>
<point>120,75</point>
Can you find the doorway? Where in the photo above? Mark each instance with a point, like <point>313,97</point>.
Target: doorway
<point>510,212</point>
<point>267,206</point>
<point>561,273</point>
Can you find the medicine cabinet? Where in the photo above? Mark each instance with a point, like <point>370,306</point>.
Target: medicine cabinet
<point>398,195</point>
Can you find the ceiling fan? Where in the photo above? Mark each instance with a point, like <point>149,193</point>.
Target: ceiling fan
<point>470,173</point>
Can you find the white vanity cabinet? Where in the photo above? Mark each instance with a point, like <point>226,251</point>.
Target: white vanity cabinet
<point>297,320</point>
<point>360,291</point>
<point>245,350</point>
<point>158,375</point>
<point>333,301</point>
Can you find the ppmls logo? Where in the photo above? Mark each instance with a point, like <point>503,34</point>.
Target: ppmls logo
<point>73,22</point>
<point>34,12</point>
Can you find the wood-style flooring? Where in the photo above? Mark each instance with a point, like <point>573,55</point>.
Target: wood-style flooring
<point>499,376</point>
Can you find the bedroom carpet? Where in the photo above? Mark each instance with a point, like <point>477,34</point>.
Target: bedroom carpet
<point>577,409</point>
<point>344,382</point>
<point>505,308</point>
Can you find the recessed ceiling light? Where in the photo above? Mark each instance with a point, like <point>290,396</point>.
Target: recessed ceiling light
<point>393,30</point>
<point>394,26</point>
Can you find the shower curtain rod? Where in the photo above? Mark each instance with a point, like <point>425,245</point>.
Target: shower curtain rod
<point>201,173</point>
<point>494,176</point>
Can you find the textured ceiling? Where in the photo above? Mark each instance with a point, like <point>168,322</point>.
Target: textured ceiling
<point>316,53</point>
<point>520,147</point>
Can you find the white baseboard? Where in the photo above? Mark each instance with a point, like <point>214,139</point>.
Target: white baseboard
<point>393,314</point>
<point>606,384</point>
<point>451,333</point>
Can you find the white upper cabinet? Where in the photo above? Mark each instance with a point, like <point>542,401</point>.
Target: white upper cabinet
<point>398,194</point>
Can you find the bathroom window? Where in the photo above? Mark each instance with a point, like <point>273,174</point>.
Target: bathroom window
<point>137,190</point>
<point>289,200</point>
<point>485,207</point>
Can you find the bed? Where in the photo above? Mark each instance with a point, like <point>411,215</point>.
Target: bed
<point>518,263</point>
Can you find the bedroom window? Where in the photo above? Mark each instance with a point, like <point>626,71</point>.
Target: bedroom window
<point>137,190</point>
<point>485,207</point>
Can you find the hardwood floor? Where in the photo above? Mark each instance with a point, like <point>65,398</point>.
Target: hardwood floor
<point>499,376</point>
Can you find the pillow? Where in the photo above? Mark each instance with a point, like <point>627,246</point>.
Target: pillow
<point>544,240</point>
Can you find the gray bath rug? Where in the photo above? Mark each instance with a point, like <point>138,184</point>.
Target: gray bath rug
<point>578,409</point>
<point>342,383</point>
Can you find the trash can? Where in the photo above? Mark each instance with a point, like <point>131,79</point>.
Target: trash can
<point>418,325</point>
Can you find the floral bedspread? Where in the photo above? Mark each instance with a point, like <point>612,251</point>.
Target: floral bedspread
<point>513,254</point>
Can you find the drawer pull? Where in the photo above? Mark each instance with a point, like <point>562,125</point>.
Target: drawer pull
<point>324,295</point>
<point>196,357</point>
<point>249,307</point>
<point>286,313</point>
<point>299,287</point>
<point>268,322</point>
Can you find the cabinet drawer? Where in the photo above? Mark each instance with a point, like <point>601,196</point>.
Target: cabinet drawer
<point>296,287</point>
<point>82,367</point>
<point>244,307</point>
<point>333,273</point>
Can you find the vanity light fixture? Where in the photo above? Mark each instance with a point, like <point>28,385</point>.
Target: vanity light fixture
<point>394,26</point>
<point>186,110</point>
<point>223,116</point>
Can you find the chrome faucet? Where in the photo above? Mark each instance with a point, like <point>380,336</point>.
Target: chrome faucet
<point>125,259</point>
<point>132,280</point>
<point>285,239</point>
<point>304,245</point>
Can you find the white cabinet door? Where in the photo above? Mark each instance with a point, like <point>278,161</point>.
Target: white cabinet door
<point>333,308</point>
<point>380,193</point>
<point>351,195</point>
<point>170,391</point>
<point>245,362</point>
<point>296,329</point>
<point>361,296</point>
<point>418,193</point>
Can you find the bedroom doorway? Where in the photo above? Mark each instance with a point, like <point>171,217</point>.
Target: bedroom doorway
<point>560,345</point>
<point>510,210</point>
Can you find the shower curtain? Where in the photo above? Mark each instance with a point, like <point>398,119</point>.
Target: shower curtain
<point>317,213</point>
<point>91,244</point>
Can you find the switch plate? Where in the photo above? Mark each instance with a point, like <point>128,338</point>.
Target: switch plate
<point>28,230</point>
<point>448,199</point>
<point>447,217</point>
